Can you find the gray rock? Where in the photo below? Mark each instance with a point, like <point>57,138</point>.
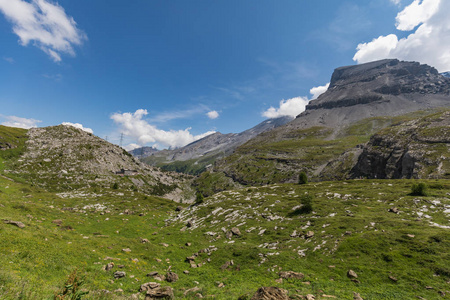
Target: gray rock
<point>270,293</point>
<point>352,274</point>
<point>171,277</point>
<point>236,231</point>
<point>16,223</point>
<point>291,274</point>
<point>165,292</point>
<point>149,286</point>
<point>119,274</point>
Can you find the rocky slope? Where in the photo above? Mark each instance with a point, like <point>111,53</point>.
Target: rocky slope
<point>360,101</point>
<point>205,151</point>
<point>64,158</point>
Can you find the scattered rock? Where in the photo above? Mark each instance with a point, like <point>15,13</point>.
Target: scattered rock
<point>126,250</point>
<point>393,278</point>
<point>149,286</point>
<point>394,210</point>
<point>119,274</point>
<point>160,293</point>
<point>221,285</point>
<point>189,224</point>
<point>144,241</point>
<point>236,231</point>
<point>294,234</point>
<point>118,291</point>
<point>352,274</point>
<point>171,277</point>
<point>185,272</point>
<point>192,290</point>
<point>164,245</point>
<point>227,264</point>
<point>310,297</point>
<point>179,208</point>
<point>357,296</point>
<point>188,244</point>
<point>291,274</point>
<point>229,235</point>
<point>58,222</point>
<point>16,223</point>
<point>109,266</point>
<point>151,274</point>
<point>309,234</point>
<point>410,235</point>
<point>270,293</point>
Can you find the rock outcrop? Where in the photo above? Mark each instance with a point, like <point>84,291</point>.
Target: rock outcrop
<point>415,149</point>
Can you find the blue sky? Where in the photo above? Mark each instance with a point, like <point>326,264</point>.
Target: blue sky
<point>167,72</point>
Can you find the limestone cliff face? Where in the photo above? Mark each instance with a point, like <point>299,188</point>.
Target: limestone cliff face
<point>415,149</point>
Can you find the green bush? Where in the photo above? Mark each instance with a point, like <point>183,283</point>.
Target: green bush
<point>419,189</point>
<point>71,289</point>
<point>199,198</point>
<point>306,207</point>
<point>302,178</point>
<point>115,186</point>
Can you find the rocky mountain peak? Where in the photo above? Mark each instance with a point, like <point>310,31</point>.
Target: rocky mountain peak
<point>378,81</point>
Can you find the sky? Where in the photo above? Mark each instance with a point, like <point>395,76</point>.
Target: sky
<point>165,73</point>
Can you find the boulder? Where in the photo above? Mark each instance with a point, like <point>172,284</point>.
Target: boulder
<point>291,274</point>
<point>171,277</point>
<point>235,231</point>
<point>165,292</point>
<point>270,293</point>
<point>149,286</point>
<point>16,223</point>
<point>352,274</point>
<point>309,234</point>
<point>109,266</point>
<point>119,274</point>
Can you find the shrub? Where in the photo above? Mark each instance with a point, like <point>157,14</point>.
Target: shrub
<point>306,207</point>
<point>199,198</point>
<point>302,178</point>
<point>419,189</point>
<point>115,186</point>
<point>71,289</point>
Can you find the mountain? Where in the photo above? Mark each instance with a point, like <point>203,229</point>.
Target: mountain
<point>446,74</point>
<point>197,156</point>
<point>66,159</point>
<point>327,139</point>
<point>143,152</point>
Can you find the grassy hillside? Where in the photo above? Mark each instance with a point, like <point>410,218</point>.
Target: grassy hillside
<point>12,143</point>
<point>322,153</point>
<point>352,226</point>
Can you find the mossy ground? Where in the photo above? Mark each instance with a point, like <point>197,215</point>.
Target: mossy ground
<point>352,225</point>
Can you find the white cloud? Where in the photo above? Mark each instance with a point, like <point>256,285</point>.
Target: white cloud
<point>9,59</point>
<point>131,146</point>
<point>45,24</point>
<point>291,107</point>
<point>78,125</point>
<point>318,90</point>
<point>213,114</point>
<point>133,125</point>
<point>13,121</point>
<point>396,2</point>
<point>429,43</point>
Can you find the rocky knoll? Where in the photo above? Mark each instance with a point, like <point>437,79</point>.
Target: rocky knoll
<point>64,157</point>
<point>415,149</point>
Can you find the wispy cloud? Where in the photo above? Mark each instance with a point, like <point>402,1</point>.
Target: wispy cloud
<point>135,126</point>
<point>14,121</point>
<point>55,77</point>
<point>44,23</point>
<point>178,114</point>
<point>9,59</point>
<point>428,43</point>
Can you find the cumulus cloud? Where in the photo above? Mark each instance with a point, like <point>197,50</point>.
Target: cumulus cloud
<point>131,146</point>
<point>428,43</point>
<point>13,121</point>
<point>213,114</point>
<point>318,90</point>
<point>134,125</point>
<point>291,107</point>
<point>44,23</point>
<point>78,125</point>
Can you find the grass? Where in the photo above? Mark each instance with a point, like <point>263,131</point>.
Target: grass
<point>38,259</point>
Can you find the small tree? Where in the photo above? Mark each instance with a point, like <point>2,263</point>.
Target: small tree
<point>302,178</point>
<point>115,186</point>
<point>306,204</point>
<point>419,189</point>
<point>199,198</point>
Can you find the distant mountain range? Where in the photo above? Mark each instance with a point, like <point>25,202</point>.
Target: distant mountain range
<point>195,157</point>
<point>446,74</point>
